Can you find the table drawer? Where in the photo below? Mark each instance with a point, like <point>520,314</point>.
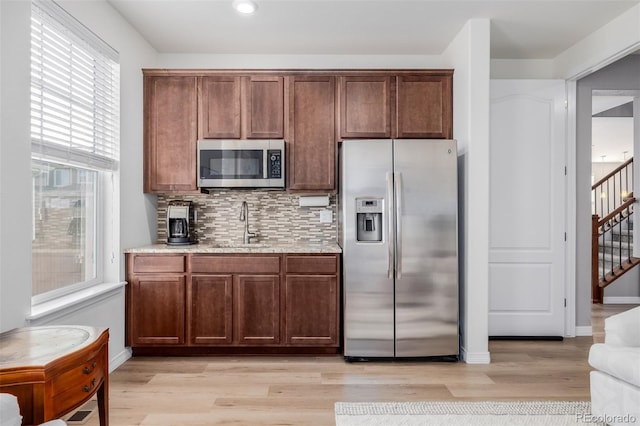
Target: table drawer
<point>78,383</point>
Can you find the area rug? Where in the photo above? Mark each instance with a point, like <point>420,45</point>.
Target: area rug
<point>485,413</point>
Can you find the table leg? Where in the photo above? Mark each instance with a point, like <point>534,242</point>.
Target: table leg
<point>103,402</point>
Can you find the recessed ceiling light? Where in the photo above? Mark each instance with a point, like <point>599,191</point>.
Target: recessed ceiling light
<point>246,7</point>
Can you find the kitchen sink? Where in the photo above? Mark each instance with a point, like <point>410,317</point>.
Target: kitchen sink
<point>238,245</point>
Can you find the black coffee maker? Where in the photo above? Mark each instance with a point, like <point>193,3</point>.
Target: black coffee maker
<point>180,223</point>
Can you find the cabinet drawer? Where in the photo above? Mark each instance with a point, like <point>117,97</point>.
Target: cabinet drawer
<point>156,263</point>
<point>252,264</point>
<point>314,264</point>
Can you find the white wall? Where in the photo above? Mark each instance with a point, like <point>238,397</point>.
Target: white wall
<point>468,53</point>
<point>249,61</point>
<point>138,216</point>
<point>522,69</point>
<point>611,42</point>
<point>621,75</point>
<point>15,165</point>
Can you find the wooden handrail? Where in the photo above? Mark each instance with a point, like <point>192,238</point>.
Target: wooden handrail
<point>616,170</point>
<point>627,203</point>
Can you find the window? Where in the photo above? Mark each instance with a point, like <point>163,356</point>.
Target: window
<point>75,140</point>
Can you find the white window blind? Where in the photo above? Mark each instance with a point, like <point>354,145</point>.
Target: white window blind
<point>74,91</point>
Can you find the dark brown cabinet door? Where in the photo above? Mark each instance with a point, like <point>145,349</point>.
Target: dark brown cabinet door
<point>211,310</point>
<point>257,309</point>
<point>219,107</point>
<point>170,133</point>
<point>311,310</point>
<point>311,145</point>
<point>424,106</point>
<point>263,108</point>
<point>156,309</point>
<point>365,106</point>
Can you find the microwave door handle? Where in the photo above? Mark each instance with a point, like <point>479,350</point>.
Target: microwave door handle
<point>265,164</point>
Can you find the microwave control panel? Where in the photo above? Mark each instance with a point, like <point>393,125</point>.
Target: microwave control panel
<point>275,164</point>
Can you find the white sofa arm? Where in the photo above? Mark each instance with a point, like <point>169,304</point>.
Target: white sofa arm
<point>623,329</point>
<point>9,410</point>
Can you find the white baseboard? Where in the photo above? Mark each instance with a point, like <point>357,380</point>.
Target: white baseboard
<point>119,359</point>
<point>626,300</point>
<point>584,330</point>
<point>476,357</point>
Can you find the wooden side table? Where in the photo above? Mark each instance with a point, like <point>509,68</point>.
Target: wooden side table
<point>54,370</point>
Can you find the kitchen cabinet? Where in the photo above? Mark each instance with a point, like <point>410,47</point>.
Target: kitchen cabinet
<point>156,294</point>
<point>241,107</point>
<point>219,107</point>
<point>401,105</point>
<point>366,106</point>
<point>232,303</point>
<point>170,133</point>
<point>311,139</point>
<point>263,110</point>
<point>310,109</point>
<point>257,309</point>
<point>424,106</point>
<point>211,309</point>
<point>312,300</point>
<point>235,299</point>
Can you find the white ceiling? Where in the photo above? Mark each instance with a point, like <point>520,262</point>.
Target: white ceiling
<point>532,29</point>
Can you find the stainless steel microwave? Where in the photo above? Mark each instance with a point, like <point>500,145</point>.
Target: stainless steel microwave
<point>241,163</point>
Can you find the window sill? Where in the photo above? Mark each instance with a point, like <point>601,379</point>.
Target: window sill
<point>69,301</point>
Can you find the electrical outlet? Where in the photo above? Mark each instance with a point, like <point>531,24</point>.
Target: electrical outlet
<point>326,216</point>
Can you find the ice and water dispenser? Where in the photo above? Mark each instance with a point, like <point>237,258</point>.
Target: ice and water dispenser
<point>369,219</point>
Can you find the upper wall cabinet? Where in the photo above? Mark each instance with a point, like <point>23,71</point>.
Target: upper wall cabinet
<point>424,106</point>
<point>170,133</point>
<point>365,106</point>
<point>311,139</point>
<point>236,107</point>
<point>219,107</point>
<point>390,105</point>
<point>263,107</point>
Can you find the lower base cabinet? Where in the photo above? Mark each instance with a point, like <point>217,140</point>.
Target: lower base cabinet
<point>211,310</point>
<point>312,310</point>
<point>259,302</point>
<point>312,300</point>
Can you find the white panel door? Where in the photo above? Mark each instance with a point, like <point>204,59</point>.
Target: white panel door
<point>527,208</point>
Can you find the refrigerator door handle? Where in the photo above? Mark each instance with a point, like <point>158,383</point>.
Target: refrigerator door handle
<point>398,182</point>
<point>390,242</point>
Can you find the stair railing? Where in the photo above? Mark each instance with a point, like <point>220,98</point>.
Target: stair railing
<point>611,191</point>
<point>611,228</point>
<point>611,248</point>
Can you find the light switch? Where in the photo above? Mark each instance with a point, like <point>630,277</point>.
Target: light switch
<point>326,216</point>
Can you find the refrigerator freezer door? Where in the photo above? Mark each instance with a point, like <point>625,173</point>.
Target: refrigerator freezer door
<point>365,173</point>
<point>426,287</point>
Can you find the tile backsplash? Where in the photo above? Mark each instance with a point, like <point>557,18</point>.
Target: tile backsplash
<point>275,216</point>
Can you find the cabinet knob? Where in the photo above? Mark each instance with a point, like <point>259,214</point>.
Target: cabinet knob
<point>87,370</point>
<point>87,388</point>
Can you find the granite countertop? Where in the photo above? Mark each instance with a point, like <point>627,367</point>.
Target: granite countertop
<point>238,248</point>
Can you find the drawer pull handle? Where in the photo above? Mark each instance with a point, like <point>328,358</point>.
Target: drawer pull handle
<point>87,388</point>
<point>87,370</point>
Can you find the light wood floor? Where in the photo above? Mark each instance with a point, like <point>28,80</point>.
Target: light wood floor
<point>302,390</point>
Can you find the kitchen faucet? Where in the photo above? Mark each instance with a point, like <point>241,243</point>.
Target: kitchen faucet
<point>244,216</point>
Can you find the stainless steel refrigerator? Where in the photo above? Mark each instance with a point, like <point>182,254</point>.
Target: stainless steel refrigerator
<point>397,223</point>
